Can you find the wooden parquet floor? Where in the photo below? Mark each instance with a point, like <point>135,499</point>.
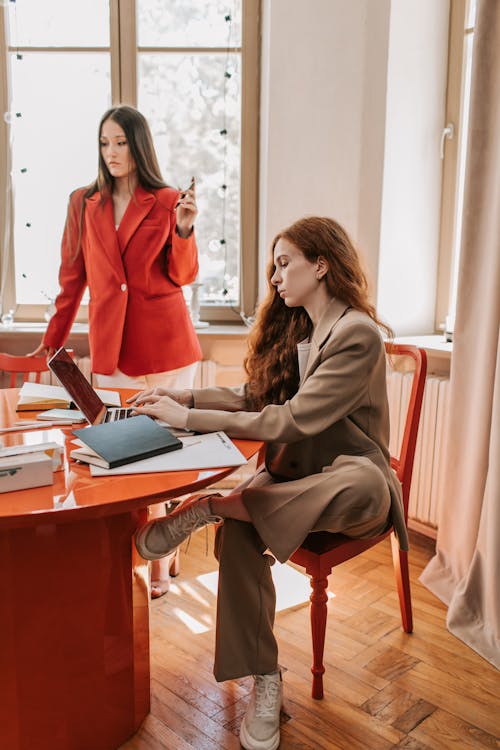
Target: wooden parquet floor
<point>383,688</point>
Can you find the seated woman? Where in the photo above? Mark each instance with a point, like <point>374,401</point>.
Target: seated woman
<point>316,394</point>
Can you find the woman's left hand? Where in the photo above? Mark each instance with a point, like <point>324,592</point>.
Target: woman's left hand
<point>164,408</point>
<point>186,210</point>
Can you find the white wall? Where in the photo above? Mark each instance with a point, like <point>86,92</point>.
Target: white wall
<point>339,78</point>
<point>313,89</point>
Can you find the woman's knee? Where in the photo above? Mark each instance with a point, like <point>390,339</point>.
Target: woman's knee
<point>372,484</point>
<point>361,500</point>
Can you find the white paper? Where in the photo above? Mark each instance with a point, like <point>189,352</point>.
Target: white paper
<point>211,451</point>
<point>110,398</point>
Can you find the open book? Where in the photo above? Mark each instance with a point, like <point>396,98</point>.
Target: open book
<point>34,396</point>
<point>113,444</point>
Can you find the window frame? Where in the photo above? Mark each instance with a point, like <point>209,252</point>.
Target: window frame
<point>456,79</point>
<point>123,50</point>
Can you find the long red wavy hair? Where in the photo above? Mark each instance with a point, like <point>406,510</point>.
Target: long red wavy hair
<point>271,363</point>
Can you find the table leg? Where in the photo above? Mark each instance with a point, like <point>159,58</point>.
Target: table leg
<point>74,635</point>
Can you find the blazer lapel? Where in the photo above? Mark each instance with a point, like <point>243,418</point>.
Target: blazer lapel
<point>103,223</point>
<point>330,317</point>
<point>138,208</point>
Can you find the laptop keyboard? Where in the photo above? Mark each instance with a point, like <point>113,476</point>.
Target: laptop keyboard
<point>113,415</point>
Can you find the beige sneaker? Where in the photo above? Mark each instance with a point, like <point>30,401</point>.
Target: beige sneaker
<point>260,728</point>
<point>160,537</point>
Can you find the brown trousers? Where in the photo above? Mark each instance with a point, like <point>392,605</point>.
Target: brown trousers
<point>244,642</point>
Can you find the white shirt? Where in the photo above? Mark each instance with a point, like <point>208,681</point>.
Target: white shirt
<point>303,349</point>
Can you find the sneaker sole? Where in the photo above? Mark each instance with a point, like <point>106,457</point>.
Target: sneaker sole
<point>250,743</point>
<point>140,543</point>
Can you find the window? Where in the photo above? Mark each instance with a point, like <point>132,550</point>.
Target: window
<point>191,67</point>
<point>462,21</point>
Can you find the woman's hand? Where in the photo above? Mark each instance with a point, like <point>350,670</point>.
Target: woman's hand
<point>186,211</point>
<point>42,349</point>
<point>164,408</point>
<point>185,398</point>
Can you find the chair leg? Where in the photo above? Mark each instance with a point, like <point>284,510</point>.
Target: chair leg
<point>400,561</point>
<point>318,611</point>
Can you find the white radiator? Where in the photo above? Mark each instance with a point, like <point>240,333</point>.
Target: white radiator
<point>205,374</point>
<point>428,477</point>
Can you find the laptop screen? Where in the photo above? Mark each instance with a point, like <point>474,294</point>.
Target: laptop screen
<point>77,385</point>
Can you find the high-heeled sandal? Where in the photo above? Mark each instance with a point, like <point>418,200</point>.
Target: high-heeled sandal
<point>175,564</point>
<point>160,588</point>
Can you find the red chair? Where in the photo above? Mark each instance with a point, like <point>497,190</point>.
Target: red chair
<point>322,551</point>
<point>15,365</point>
<point>18,365</point>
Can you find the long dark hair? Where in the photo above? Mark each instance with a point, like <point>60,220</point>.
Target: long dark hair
<point>140,143</point>
<point>271,363</point>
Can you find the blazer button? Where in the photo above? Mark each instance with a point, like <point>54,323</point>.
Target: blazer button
<point>123,287</point>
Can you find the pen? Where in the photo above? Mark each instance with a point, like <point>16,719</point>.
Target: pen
<point>183,192</point>
<point>188,445</point>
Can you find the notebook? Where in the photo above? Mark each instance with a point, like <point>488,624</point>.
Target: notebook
<point>123,442</point>
<point>82,393</point>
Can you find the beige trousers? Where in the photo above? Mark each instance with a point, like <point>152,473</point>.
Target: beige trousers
<point>244,643</point>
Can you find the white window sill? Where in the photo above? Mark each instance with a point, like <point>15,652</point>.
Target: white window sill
<point>433,344</point>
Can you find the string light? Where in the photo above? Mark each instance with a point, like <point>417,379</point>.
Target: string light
<point>214,245</point>
<point>9,118</point>
<point>223,189</point>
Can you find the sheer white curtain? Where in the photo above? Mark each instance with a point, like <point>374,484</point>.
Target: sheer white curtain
<point>5,169</point>
<point>465,572</point>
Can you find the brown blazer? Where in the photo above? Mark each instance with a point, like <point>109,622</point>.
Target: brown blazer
<point>339,409</point>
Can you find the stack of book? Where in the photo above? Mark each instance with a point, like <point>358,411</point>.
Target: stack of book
<point>113,444</point>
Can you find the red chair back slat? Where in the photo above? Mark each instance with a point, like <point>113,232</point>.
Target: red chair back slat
<point>403,464</point>
<point>18,365</point>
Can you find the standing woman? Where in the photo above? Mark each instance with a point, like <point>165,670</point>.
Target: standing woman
<point>316,394</point>
<point>130,239</point>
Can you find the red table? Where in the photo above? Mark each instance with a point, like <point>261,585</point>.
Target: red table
<point>74,600</point>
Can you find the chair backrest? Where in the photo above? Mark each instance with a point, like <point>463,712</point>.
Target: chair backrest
<point>14,365</point>
<point>403,464</point>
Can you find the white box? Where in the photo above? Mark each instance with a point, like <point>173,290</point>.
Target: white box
<point>24,471</point>
<point>53,450</point>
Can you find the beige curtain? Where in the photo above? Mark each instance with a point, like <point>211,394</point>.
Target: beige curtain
<point>465,572</point>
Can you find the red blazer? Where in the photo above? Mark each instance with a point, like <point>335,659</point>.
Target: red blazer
<point>138,319</point>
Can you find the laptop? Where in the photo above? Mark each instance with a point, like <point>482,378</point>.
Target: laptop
<point>82,393</point>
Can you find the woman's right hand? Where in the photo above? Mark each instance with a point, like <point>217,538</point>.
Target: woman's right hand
<point>184,398</point>
<point>42,349</point>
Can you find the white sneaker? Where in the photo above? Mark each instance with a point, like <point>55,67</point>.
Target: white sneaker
<point>260,728</point>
